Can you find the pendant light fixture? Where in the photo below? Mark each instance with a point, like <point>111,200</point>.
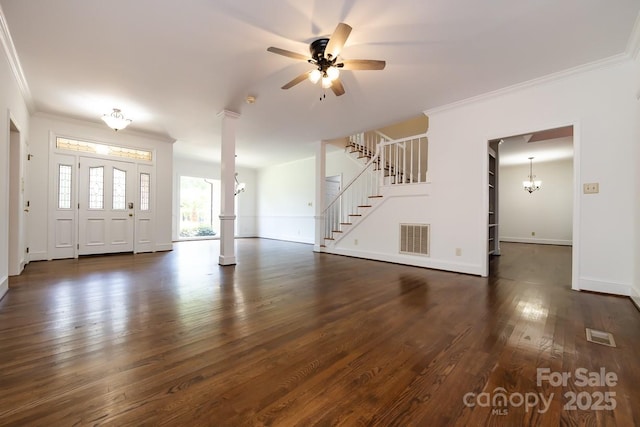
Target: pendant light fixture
<point>116,120</point>
<point>531,184</point>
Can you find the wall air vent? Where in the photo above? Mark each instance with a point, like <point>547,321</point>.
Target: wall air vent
<point>414,239</point>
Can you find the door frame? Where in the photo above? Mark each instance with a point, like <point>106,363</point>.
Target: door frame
<point>17,209</point>
<point>144,241</point>
<point>577,191</point>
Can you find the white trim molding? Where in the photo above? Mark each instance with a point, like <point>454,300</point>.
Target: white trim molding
<point>596,285</point>
<point>412,260</point>
<point>633,45</point>
<point>603,63</point>
<point>635,297</point>
<point>537,241</point>
<point>4,286</point>
<point>14,63</point>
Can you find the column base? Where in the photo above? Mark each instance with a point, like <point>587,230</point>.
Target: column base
<point>226,260</point>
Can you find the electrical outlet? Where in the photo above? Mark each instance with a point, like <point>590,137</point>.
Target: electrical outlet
<point>591,188</point>
<point>458,251</point>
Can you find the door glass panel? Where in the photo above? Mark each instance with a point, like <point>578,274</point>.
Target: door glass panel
<point>96,187</point>
<point>64,186</point>
<point>119,189</point>
<point>145,187</point>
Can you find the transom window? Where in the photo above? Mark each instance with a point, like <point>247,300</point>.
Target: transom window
<point>105,149</point>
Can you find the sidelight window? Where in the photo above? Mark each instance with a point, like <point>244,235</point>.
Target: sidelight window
<point>64,186</point>
<point>145,191</point>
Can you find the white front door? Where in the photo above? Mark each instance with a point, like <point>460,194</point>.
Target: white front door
<point>106,196</point>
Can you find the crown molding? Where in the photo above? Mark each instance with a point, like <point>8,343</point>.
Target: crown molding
<point>633,45</point>
<point>14,63</point>
<point>602,63</point>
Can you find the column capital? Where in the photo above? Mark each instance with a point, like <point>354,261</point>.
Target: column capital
<point>228,114</point>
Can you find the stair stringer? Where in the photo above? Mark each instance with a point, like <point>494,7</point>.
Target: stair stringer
<point>375,203</point>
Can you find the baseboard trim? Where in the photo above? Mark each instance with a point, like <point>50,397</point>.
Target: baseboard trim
<point>635,297</point>
<point>4,286</point>
<point>38,256</point>
<point>164,247</point>
<point>595,285</point>
<point>415,261</point>
<point>537,241</point>
<point>291,239</point>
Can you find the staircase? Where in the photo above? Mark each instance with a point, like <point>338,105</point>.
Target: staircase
<point>386,163</point>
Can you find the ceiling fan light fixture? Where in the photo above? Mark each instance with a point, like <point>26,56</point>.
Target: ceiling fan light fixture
<point>326,82</point>
<point>314,76</point>
<point>333,73</point>
<point>116,120</point>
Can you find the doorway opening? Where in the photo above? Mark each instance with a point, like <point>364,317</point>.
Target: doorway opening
<point>332,187</point>
<point>532,225</point>
<point>199,208</point>
<point>18,208</point>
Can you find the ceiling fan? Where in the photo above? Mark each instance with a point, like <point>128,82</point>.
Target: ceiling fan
<point>324,57</point>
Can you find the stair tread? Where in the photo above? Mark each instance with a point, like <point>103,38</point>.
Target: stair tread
<point>355,214</point>
<point>365,206</point>
<point>375,197</point>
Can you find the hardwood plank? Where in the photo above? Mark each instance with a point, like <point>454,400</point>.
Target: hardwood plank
<point>292,337</point>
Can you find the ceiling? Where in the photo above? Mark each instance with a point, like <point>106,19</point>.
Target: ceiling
<point>172,66</point>
<point>544,146</point>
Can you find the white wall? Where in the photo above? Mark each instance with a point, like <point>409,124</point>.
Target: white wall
<point>602,105</point>
<point>12,107</point>
<point>339,162</point>
<point>246,214</point>
<point>44,126</point>
<point>286,195</point>
<point>547,212</point>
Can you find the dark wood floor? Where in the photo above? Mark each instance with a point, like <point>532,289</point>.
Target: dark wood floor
<point>289,337</point>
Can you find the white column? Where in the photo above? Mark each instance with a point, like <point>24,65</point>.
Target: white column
<point>321,163</point>
<point>227,178</point>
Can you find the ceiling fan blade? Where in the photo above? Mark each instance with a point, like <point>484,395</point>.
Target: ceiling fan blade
<point>363,64</point>
<point>288,53</point>
<point>337,88</point>
<point>337,40</point>
<point>302,77</point>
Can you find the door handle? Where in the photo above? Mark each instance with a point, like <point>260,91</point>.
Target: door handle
<point>130,214</point>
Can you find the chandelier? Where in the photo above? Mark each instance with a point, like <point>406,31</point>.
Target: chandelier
<point>116,120</point>
<point>239,186</point>
<point>531,184</point>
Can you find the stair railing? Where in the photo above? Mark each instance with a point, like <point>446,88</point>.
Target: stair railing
<point>404,161</point>
<point>366,143</point>
<point>357,194</point>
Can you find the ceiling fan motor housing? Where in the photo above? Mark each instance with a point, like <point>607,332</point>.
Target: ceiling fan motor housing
<point>317,47</point>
